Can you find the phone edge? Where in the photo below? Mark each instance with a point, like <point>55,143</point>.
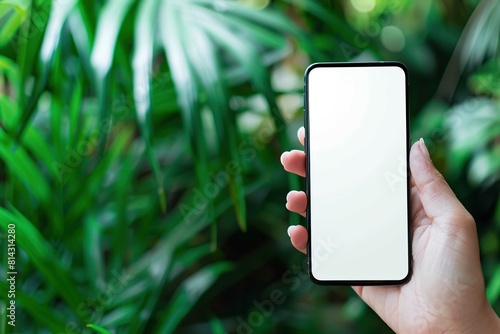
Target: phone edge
<point>407,278</point>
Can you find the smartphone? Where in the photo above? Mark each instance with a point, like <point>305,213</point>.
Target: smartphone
<point>358,183</point>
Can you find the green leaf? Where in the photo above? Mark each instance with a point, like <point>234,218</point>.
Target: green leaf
<point>478,40</point>
<point>185,222</point>
<point>173,40</point>
<point>142,64</point>
<point>98,329</point>
<point>12,16</point>
<point>493,287</point>
<point>120,316</point>
<point>82,32</point>
<point>188,294</point>
<point>269,18</point>
<point>185,258</point>
<point>82,196</point>
<point>329,17</point>
<point>101,58</point>
<point>108,27</point>
<point>127,296</point>
<point>33,142</point>
<point>22,4</point>
<point>92,252</point>
<point>120,228</point>
<point>485,165</point>
<point>472,124</point>
<point>261,34</point>
<point>24,162</point>
<point>56,121</point>
<point>42,255</point>
<point>75,133</point>
<point>487,79</point>
<point>217,326</point>
<point>21,165</point>
<point>204,63</point>
<point>244,52</point>
<point>58,15</point>
<point>11,71</point>
<point>163,97</point>
<point>39,311</point>
<point>246,55</point>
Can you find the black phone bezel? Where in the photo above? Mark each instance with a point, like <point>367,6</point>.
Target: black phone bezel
<point>308,186</point>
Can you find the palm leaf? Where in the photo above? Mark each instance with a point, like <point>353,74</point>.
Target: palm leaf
<point>472,125</point>
<point>108,27</point>
<point>244,52</point>
<point>172,39</point>
<point>142,64</point>
<point>98,329</point>
<point>58,16</point>
<point>12,15</point>
<point>188,294</point>
<point>37,310</point>
<point>22,166</point>
<point>92,252</point>
<point>202,56</point>
<point>101,57</point>
<point>217,326</point>
<point>80,197</point>
<point>42,255</point>
<point>479,39</point>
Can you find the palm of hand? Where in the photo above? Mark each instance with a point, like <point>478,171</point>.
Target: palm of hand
<point>445,269</point>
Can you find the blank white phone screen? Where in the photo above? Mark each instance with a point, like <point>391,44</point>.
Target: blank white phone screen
<point>358,173</point>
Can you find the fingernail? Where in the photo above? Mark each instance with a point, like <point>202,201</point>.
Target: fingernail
<point>289,231</point>
<point>282,158</point>
<point>289,193</point>
<point>299,132</point>
<point>423,149</point>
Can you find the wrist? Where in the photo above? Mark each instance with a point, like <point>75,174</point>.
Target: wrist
<point>487,321</point>
<point>493,322</point>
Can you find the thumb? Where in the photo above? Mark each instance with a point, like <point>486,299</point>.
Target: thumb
<point>438,200</point>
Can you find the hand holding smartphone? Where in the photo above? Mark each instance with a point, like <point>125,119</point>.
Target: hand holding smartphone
<point>357,145</point>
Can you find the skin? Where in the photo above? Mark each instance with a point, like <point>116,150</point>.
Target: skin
<point>446,293</point>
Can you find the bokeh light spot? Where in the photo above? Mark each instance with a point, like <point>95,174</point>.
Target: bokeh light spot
<point>257,4</point>
<point>393,38</point>
<point>363,6</point>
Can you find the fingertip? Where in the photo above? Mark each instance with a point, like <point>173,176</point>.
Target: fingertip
<point>294,162</point>
<point>290,194</point>
<point>301,134</point>
<point>437,198</point>
<point>296,201</point>
<point>423,149</point>
<point>419,158</point>
<point>283,157</point>
<point>298,237</point>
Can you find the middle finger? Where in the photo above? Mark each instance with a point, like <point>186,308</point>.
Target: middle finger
<point>294,162</point>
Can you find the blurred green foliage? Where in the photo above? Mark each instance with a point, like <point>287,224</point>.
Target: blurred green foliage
<point>140,143</point>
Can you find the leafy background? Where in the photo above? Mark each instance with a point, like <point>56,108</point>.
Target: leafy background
<point>140,144</point>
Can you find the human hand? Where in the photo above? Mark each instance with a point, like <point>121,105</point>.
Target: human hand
<point>446,292</point>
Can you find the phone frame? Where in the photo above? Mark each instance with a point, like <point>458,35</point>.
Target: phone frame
<point>308,185</point>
